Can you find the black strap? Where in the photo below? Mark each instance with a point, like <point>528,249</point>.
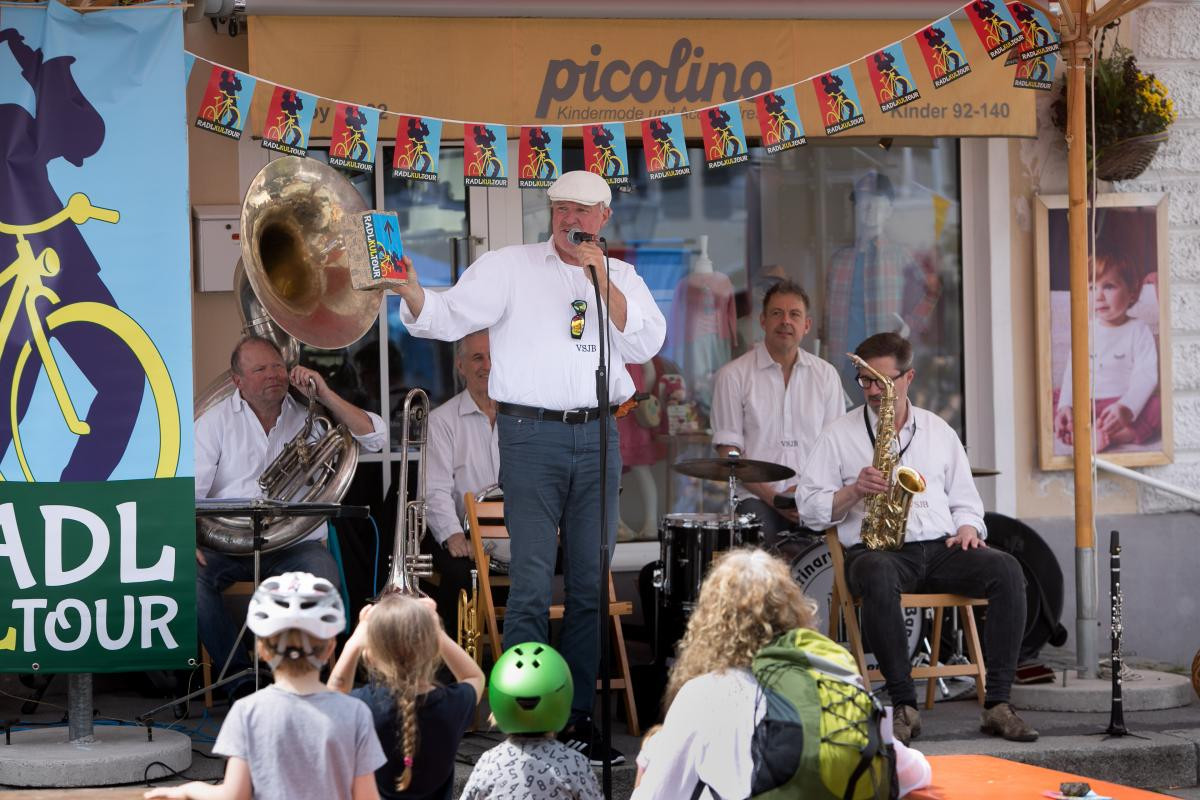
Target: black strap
<point>871,433</point>
<point>867,758</point>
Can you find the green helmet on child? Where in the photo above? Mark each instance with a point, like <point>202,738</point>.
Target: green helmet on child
<point>531,689</point>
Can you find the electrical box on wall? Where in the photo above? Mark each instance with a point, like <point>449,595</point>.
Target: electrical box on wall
<point>217,246</point>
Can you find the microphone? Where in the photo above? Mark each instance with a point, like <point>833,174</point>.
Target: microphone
<point>576,236</point>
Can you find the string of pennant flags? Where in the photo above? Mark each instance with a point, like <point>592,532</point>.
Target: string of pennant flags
<point>1020,33</point>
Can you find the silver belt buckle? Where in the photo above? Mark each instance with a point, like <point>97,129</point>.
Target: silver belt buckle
<point>566,414</point>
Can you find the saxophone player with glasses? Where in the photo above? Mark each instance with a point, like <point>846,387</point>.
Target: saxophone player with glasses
<point>895,481</point>
<point>236,440</point>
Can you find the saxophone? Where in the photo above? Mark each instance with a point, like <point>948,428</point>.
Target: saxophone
<point>469,634</point>
<point>886,519</point>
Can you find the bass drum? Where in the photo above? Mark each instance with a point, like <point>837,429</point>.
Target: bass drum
<point>813,570</point>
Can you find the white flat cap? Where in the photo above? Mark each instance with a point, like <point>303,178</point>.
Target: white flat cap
<point>581,186</point>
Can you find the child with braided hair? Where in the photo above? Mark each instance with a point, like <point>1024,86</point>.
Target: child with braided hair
<point>419,723</point>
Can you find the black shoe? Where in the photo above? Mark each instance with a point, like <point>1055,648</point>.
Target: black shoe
<point>584,739</point>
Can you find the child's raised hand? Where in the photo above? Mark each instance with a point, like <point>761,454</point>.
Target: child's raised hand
<point>1064,426</point>
<point>1114,418</point>
<point>429,603</point>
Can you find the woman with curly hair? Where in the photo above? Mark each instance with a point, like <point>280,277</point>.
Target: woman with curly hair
<point>713,701</point>
<point>419,723</point>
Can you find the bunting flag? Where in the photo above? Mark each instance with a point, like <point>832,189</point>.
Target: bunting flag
<point>1040,37</point>
<point>724,136</point>
<point>189,61</point>
<point>418,143</point>
<point>838,100</point>
<point>943,53</point>
<point>485,156</point>
<point>779,120</point>
<point>540,156</point>
<point>226,102</point>
<point>353,138</point>
<point>891,78</point>
<point>1037,73</point>
<point>995,26</point>
<point>289,118</point>
<point>606,154</point>
<point>664,147</point>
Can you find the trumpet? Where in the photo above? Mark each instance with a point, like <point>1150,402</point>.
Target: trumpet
<point>469,634</point>
<point>409,564</point>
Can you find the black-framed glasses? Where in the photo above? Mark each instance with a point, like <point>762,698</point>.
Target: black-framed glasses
<point>866,381</point>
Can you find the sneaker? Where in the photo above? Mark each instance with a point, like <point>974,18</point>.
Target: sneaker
<point>1002,720</point>
<point>906,724</point>
<point>582,738</point>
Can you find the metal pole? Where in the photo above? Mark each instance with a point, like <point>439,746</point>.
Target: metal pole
<point>79,708</point>
<point>1079,51</point>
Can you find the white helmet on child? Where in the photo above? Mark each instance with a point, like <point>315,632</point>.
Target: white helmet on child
<point>296,600</point>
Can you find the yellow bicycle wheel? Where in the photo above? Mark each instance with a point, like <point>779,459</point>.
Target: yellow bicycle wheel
<point>132,335</point>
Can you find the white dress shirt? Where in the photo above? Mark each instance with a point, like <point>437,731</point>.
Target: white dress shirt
<point>1126,366</point>
<point>523,295</point>
<point>931,447</point>
<point>463,457</point>
<point>753,411</point>
<point>232,449</point>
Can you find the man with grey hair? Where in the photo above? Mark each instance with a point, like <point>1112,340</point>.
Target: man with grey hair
<point>538,302</point>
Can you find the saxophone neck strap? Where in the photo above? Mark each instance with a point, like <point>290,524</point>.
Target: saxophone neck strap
<point>871,433</point>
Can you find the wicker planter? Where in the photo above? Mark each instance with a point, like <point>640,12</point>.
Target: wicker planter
<point>1128,158</point>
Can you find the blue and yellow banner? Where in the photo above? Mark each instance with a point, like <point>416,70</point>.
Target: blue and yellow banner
<point>995,26</point>
<point>485,156</point>
<point>606,153</point>
<point>418,143</point>
<point>837,97</point>
<point>891,78</point>
<point>353,142</point>
<point>289,118</point>
<point>779,120</point>
<point>97,526</point>
<point>723,135</point>
<point>226,101</point>
<point>540,156</point>
<point>664,148</point>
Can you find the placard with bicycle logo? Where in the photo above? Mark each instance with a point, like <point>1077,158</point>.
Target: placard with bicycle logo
<point>485,154</point>
<point>664,147</point>
<point>289,118</point>
<point>540,156</point>
<point>1040,36</point>
<point>97,516</point>
<point>995,26</point>
<point>1037,73</point>
<point>891,78</point>
<point>943,53</point>
<point>226,102</point>
<point>723,135</point>
<point>837,99</point>
<point>352,145</point>
<point>606,153</point>
<point>779,119</point>
<point>418,143</point>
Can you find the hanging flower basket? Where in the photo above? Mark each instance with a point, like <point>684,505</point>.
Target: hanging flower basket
<point>1129,158</point>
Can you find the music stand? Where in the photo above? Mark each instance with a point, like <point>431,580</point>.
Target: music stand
<point>258,511</point>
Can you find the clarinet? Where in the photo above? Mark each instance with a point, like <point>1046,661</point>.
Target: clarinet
<point>1116,719</point>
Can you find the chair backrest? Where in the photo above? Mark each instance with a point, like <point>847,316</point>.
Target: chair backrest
<point>837,557</point>
<point>486,518</point>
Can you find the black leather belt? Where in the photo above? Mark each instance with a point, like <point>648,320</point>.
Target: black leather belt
<point>576,416</point>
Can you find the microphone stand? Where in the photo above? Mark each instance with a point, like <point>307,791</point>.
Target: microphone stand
<point>602,402</point>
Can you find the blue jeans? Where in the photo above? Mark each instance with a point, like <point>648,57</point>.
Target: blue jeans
<point>217,631</point>
<point>550,472</point>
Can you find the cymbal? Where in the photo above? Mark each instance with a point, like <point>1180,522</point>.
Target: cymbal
<point>983,472</point>
<point>744,469</point>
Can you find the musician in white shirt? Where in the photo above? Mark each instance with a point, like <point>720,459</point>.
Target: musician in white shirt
<point>236,440</point>
<point>539,303</point>
<point>771,403</point>
<point>463,457</point>
<point>944,548</point>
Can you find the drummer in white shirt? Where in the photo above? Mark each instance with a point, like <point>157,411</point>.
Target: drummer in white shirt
<point>539,305</point>
<point>463,457</point>
<point>944,548</point>
<point>771,404</point>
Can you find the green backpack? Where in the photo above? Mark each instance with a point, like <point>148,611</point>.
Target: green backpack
<point>820,736</point>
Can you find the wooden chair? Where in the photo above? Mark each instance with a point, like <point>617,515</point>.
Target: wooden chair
<point>486,521</point>
<point>843,607</point>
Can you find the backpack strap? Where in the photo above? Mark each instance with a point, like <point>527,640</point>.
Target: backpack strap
<point>867,757</point>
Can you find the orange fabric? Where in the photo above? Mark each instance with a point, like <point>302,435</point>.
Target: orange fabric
<point>990,778</point>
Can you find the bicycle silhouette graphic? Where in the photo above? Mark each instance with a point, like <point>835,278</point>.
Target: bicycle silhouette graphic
<point>486,160</point>
<point>26,275</point>
<point>999,31</point>
<point>415,157</point>
<point>943,54</point>
<point>894,84</point>
<point>782,128</point>
<point>667,156</point>
<point>607,163</point>
<point>843,109</point>
<point>727,144</point>
<point>288,125</point>
<point>223,110</point>
<point>539,165</point>
<point>353,146</point>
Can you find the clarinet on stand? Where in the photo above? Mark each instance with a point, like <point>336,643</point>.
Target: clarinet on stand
<point>1116,719</point>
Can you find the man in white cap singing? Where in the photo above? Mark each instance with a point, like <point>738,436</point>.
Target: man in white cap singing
<point>538,301</point>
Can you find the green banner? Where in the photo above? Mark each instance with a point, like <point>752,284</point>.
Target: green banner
<point>98,579</point>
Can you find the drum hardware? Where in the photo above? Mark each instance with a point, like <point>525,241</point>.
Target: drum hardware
<point>730,470</point>
<point>408,563</point>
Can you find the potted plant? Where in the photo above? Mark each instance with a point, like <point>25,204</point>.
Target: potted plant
<point>1133,112</point>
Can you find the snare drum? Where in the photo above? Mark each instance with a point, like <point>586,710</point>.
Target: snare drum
<point>689,543</point>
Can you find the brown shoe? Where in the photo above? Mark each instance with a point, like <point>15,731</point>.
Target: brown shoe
<point>906,724</point>
<point>1002,720</point>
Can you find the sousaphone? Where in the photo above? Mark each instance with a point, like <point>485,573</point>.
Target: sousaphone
<point>293,283</point>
